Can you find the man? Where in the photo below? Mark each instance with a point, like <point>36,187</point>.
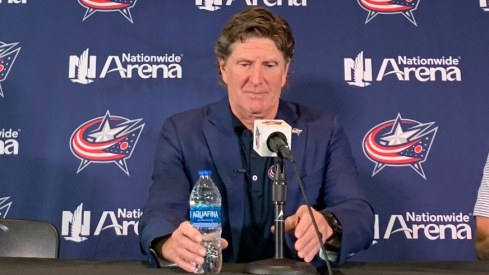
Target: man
<point>254,53</point>
<point>481,214</point>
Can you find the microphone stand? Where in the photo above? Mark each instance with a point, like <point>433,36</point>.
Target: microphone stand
<point>278,264</point>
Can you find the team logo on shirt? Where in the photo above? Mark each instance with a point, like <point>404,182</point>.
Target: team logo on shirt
<point>271,172</point>
<point>122,6</point>
<point>257,138</point>
<point>8,54</point>
<point>404,7</point>
<point>399,142</point>
<point>107,139</point>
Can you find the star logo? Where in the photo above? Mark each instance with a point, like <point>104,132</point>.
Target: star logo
<point>107,139</point>
<point>399,142</point>
<point>8,54</point>
<point>404,7</point>
<point>4,207</point>
<point>296,131</point>
<point>122,6</point>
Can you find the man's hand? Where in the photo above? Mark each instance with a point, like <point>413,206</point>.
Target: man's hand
<point>300,224</point>
<point>183,247</point>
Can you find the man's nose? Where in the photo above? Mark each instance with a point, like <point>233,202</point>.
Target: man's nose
<point>257,75</point>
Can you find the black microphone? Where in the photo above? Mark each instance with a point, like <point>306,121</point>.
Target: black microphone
<point>277,143</point>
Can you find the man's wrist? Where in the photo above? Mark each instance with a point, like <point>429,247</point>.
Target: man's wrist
<point>335,238</point>
<point>160,246</point>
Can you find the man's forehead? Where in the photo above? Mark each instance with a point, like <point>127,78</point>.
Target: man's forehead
<point>255,46</point>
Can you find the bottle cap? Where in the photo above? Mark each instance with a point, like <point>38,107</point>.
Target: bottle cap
<point>205,172</point>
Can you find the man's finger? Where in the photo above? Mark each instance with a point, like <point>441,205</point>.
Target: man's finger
<point>303,226</point>
<point>189,256</point>
<point>191,232</point>
<point>310,250</point>
<point>305,239</point>
<point>290,223</point>
<point>190,245</point>
<point>187,266</point>
<point>224,243</point>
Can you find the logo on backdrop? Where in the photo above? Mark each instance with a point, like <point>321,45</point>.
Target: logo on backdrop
<point>13,1</point>
<point>404,7</point>
<point>399,142</point>
<point>76,225</point>
<point>4,207</point>
<point>8,142</point>
<point>122,6</point>
<point>107,139</point>
<point>213,5</point>
<point>359,71</point>
<point>484,4</point>
<point>428,226</point>
<point>83,68</point>
<point>8,54</point>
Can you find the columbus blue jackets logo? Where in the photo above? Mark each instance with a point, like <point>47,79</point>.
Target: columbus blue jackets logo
<point>107,139</point>
<point>5,205</point>
<point>399,142</point>
<point>404,7</point>
<point>271,172</point>
<point>257,138</point>
<point>8,54</point>
<point>122,6</point>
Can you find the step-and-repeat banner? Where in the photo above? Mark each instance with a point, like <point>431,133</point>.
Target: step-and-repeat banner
<point>85,86</point>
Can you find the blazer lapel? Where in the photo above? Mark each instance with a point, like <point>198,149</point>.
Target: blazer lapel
<point>288,113</point>
<point>225,152</point>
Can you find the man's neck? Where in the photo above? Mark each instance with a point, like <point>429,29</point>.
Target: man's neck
<point>249,120</point>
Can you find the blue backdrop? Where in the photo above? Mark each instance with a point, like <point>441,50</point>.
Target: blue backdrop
<point>87,84</point>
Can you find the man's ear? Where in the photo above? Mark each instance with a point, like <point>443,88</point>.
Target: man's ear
<point>222,69</point>
<point>286,72</point>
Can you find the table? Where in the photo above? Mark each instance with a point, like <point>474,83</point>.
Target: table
<point>23,266</point>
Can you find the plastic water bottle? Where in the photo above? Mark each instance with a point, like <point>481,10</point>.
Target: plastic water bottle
<point>205,215</point>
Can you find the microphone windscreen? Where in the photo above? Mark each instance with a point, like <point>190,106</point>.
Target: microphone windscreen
<point>263,128</point>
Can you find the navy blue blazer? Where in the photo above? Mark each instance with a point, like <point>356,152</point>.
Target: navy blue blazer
<point>204,139</point>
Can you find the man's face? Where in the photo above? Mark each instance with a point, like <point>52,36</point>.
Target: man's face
<point>255,73</point>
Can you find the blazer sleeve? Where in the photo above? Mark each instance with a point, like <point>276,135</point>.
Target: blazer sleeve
<point>345,198</point>
<point>168,201</point>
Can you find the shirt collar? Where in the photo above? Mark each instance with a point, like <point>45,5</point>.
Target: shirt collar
<point>283,112</point>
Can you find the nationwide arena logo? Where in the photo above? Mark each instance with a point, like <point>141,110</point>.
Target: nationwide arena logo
<point>213,5</point>
<point>414,226</point>
<point>122,6</point>
<point>484,4</point>
<point>5,205</point>
<point>107,139</point>
<point>83,68</point>
<point>8,142</point>
<point>13,1</point>
<point>75,226</point>
<point>359,71</point>
<point>399,142</point>
<point>8,54</point>
<point>404,7</point>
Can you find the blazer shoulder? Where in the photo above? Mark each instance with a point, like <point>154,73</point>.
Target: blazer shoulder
<point>192,117</point>
<point>309,115</point>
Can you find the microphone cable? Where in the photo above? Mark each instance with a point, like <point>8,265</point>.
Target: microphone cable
<point>318,234</point>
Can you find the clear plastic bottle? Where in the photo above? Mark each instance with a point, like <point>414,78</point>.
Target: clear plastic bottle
<point>205,215</point>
